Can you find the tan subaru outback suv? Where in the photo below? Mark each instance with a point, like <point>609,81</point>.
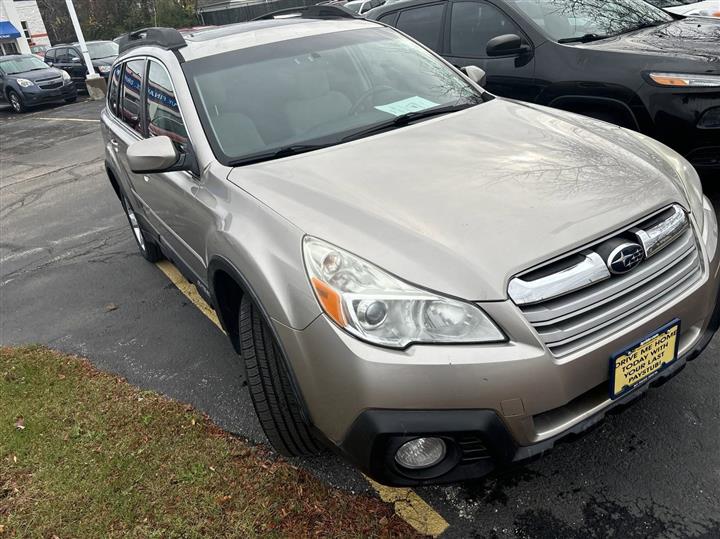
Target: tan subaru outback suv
<point>430,280</point>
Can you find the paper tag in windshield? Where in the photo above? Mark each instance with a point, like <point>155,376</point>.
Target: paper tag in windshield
<point>411,104</point>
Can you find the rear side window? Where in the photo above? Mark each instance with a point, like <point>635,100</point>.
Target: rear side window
<point>473,24</point>
<point>113,90</point>
<point>424,24</point>
<point>50,55</point>
<point>163,112</point>
<point>130,102</point>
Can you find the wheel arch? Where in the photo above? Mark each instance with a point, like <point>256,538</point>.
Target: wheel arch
<point>113,179</point>
<point>584,103</point>
<point>227,286</point>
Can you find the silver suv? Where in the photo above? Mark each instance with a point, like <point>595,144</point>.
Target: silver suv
<point>433,281</point>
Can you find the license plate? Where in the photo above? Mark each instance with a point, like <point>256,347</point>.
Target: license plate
<point>637,363</point>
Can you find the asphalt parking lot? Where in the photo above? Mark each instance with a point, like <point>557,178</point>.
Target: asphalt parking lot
<point>71,278</point>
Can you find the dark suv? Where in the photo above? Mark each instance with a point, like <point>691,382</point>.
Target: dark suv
<point>69,58</point>
<point>623,61</point>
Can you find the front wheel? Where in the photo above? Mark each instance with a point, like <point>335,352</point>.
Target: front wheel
<point>16,101</point>
<point>275,402</point>
<point>148,248</point>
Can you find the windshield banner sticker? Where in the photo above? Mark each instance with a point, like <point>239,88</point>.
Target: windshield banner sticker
<point>411,104</point>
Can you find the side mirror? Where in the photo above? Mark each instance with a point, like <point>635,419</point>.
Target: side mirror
<point>156,154</point>
<point>75,60</point>
<point>475,74</point>
<point>507,45</point>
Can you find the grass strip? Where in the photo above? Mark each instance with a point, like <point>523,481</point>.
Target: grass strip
<point>85,454</point>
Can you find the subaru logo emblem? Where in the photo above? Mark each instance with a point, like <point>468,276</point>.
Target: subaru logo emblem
<point>625,257</point>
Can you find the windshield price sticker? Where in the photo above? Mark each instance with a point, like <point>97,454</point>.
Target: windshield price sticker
<point>411,104</point>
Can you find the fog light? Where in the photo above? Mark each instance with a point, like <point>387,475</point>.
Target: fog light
<point>421,453</point>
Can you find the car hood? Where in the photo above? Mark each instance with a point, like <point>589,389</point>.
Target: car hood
<point>461,203</point>
<point>691,39</point>
<point>40,74</point>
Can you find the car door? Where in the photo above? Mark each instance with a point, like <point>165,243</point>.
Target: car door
<point>49,57</point>
<point>76,66</point>
<point>125,105</point>
<point>471,24</point>
<point>176,200</point>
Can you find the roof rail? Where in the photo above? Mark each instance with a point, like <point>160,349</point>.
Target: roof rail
<point>167,38</point>
<point>320,11</point>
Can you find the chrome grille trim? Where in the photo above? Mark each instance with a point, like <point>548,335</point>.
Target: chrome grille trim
<point>654,234</point>
<point>590,270</point>
<point>655,238</point>
<point>582,315</point>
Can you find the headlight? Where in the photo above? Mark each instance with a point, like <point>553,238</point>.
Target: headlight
<point>379,308</point>
<point>65,75</point>
<point>104,69</point>
<point>25,83</point>
<point>686,80</point>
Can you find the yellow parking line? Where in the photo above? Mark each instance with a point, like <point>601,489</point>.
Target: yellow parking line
<point>412,509</point>
<point>188,290</point>
<point>408,505</point>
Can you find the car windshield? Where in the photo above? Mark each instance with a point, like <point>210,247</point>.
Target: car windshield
<point>318,91</point>
<point>102,49</point>
<point>22,64</point>
<point>566,20</point>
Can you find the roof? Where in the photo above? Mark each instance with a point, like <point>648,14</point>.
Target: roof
<point>251,34</point>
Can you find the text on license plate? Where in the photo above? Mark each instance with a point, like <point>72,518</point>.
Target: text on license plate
<point>631,367</point>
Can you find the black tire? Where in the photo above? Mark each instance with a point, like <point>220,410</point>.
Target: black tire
<point>71,99</point>
<point>16,101</point>
<point>147,247</point>
<point>275,402</point>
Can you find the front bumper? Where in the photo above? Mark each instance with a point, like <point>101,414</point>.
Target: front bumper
<point>37,96</point>
<point>496,404</point>
<point>687,122</point>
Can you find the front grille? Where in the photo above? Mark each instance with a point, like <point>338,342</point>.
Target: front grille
<point>51,85</point>
<point>580,317</point>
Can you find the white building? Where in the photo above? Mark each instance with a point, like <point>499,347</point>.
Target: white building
<point>12,39</point>
<point>31,21</point>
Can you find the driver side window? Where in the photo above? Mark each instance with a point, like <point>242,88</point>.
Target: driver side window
<point>473,24</point>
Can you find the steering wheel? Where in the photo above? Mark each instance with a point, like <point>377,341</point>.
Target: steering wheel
<point>366,97</point>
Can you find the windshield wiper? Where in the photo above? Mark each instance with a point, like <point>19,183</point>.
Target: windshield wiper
<point>405,119</point>
<point>285,151</point>
<point>582,39</point>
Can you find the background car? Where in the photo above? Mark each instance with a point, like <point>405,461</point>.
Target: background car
<point>26,81</point>
<point>39,50</point>
<point>622,61</point>
<point>69,58</point>
<point>705,8</point>
<point>363,6</point>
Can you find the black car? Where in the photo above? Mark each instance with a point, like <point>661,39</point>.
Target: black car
<point>26,81</point>
<point>623,61</point>
<point>69,58</point>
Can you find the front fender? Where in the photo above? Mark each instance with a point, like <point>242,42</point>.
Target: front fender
<point>264,252</point>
